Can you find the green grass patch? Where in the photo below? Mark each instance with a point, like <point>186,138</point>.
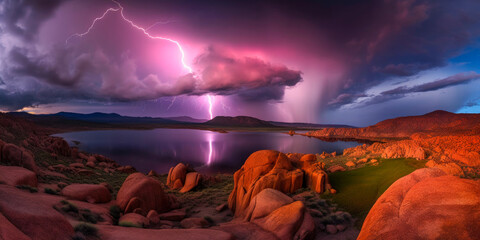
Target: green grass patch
<point>129,224</point>
<point>358,189</point>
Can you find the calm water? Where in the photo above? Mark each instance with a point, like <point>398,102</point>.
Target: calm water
<point>207,151</point>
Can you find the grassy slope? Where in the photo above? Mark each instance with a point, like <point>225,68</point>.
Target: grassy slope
<point>358,189</point>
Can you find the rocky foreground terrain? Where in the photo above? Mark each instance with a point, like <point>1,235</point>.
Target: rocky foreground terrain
<point>446,140</point>
<point>49,190</point>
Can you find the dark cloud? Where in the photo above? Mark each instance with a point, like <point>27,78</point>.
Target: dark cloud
<point>252,78</point>
<point>23,18</point>
<point>457,79</point>
<point>401,92</point>
<point>367,42</point>
<point>344,98</point>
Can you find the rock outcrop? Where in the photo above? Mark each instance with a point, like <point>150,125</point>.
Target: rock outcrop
<point>176,176</point>
<point>145,193</point>
<point>263,169</point>
<point>17,156</point>
<point>435,123</point>
<point>36,219</point>
<point>271,169</point>
<point>121,233</point>
<point>133,220</point>
<point>91,193</point>
<point>14,176</point>
<point>397,149</point>
<point>184,178</point>
<point>192,180</point>
<point>426,204</point>
<point>279,214</point>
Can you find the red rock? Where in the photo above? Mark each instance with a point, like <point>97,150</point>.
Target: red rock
<point>92,159</point>
<point>449,168</point>
<point>402,149</point>
<point>133,218</point>
<point>14,176</point>
<point>336,168</point>
<point>350,164</point>
<point>35,219</point>
<point>272,169</point>
<point>266,202</point>
<point>17,156</point>
<point>194,223</point>
<point>58,146</point>
<point>148,190</point>
<point>175,215</point>
<point>315,177</point>
<point>126,169</point>
<point>152,173</point>
<point>153,217</point>
<point>192,180</point>
<point>91,193</point>
<point>83,156</point>
<point>76,165</point>
<point>110,188</point>
<point>74,152</point>
<point>177,184</point>
<point>331,229</point>
<point>9,232</point>
<point>138,211</point>
<point>121,233</point>
<point>176,176</point>
<point>263,169</point>
<point>134,203</point>
<point>363,160</point>
<point>246,230</point>
<point>221,207</point>
<point>90,164</point>
<point>289,222</point>
<point>84,172</point>
<point>341,227</point>
<point>426,204</point>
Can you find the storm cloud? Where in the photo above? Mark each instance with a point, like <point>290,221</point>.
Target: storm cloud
<point>328,53</point>
<point>403,91</point>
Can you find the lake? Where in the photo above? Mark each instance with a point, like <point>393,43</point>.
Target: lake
<point>206,151</point>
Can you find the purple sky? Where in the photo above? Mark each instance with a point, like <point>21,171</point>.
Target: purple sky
<point>348,62</point>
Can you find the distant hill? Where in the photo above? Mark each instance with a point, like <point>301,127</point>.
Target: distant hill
<point>80,121</point>
<point>308,125</point>
<point>112,118</point>
<point>186,119</point>
<point>434,123</point>
<point>239,121</point>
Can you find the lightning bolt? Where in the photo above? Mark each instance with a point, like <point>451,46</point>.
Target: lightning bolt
<point>120,9</point>
<point>159,23</point>
<point>122,14</point>
<point>171,104</point>
<point>210,105</point>
<point>92,25</point>
<point>210,149</point>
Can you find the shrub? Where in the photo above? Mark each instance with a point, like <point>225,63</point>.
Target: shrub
<point>89,216</point>
<point>209,219</point>
<point>28,188</point>
<point>69,207</point>
<point>115,212</point>
<point>129,224</point>
<point>86,229</point>
<point>50,191</point>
